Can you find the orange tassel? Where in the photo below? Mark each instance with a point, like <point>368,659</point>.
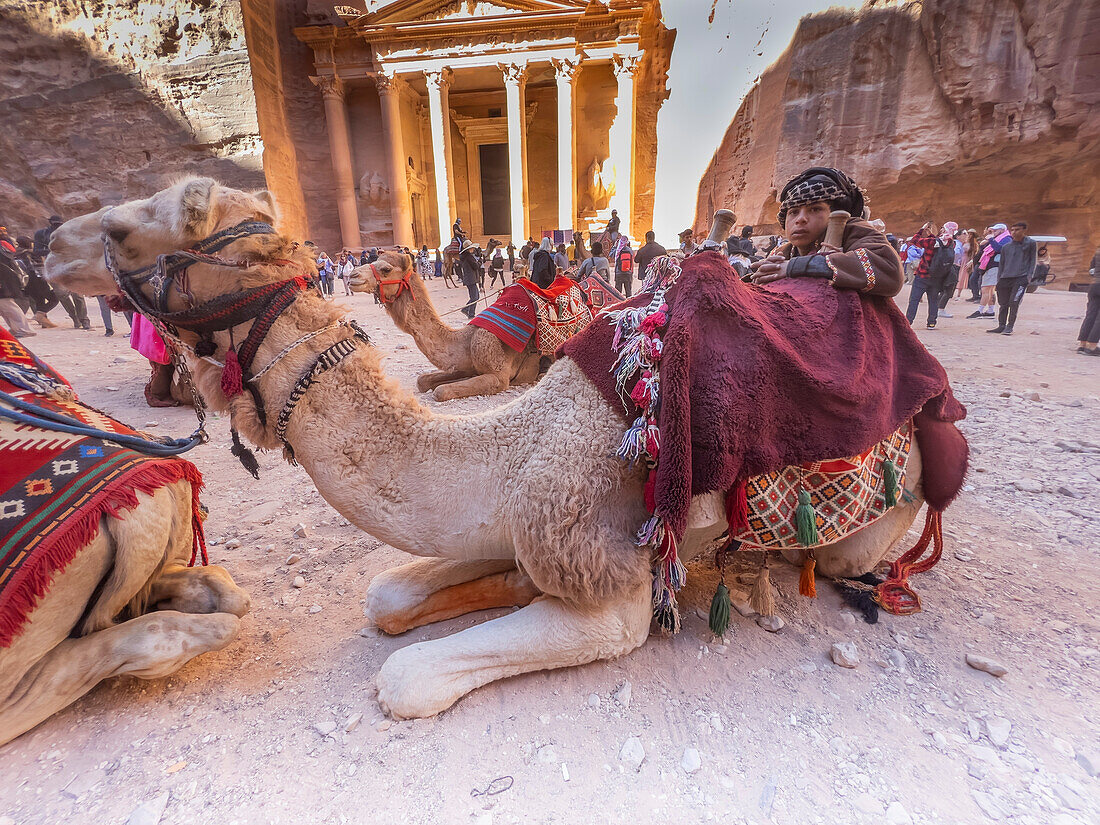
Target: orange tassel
<point>806,583</point>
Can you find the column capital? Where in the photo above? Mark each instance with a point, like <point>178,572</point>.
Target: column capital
<point>514,73</point>
<point>438,78</point>
<point>624,64</point>
<point>387,83</point>
<point>565,68</point>
<point>331,86</point>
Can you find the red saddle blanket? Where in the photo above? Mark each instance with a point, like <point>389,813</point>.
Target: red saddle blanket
<point>755,379</point>
<point>55,487</point>
<point>524,309</point>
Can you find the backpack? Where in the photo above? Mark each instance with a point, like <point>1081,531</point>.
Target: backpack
<point>626,261</point>
<point>943,259</point>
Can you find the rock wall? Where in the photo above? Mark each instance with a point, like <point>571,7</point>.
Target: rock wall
<point>974,111</point>
<point>108,100</point>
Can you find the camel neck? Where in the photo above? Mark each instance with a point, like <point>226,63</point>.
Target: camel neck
<point>414,313</point>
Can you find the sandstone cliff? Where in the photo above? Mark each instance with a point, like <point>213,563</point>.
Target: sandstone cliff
<point>946,110</point>
<point>106,100</point>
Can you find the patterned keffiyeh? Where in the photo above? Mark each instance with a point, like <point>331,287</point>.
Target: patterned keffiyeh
<point>821,184</point>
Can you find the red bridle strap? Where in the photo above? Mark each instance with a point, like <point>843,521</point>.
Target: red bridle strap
<point>402,285</point>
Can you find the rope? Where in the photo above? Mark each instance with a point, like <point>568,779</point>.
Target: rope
<point>895,595</point>
<point>288,349</point>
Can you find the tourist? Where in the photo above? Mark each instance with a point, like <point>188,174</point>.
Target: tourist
<point>469,273</point>
<point>424,266</point>
<point>363,258</point>
<point>687,242</point>
<point>1042,268</point>
<point>438,264</point>
<point>650,250</point>
<point>1089,335</point>
<point>747,246</point>
<point>37,290</point>
<point>597,264</point>
<point>11,294</point>
<point>347,266</point>
<point>969,238</point>
<point>543,270</point>
<point>1018,258</point>
<point>927,241</point>
<point>948,236</point>
<point>511,256</point>
<point>805,205</point>
<point>325,273</point>
<point>105,314</point>
<point>496,268</point>
<point>988,266</point>
<point>561,259</point>
<point>624,268</point>
<point>546,246</point>
<point>373,256</point>
<point>457,233</point>
<point>612,230</point>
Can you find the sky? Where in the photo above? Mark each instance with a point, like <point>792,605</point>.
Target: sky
<point>714,64</point>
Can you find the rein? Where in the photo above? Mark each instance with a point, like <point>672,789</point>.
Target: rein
<point>403,284</point>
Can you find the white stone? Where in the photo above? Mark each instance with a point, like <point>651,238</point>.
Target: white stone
<point>865,803</point>
<point>896,658</point>
<point>299,581</point>
<point>998,730</point>
<point>314,608</point>
<point>897,815</point>
<point>691,761</point>
<point>594,700</point>
<point>622,695</point>
<point>740,602</point>
<point>370,632</point>
<point>150,811</point>
<point>1027,485</point>
<point>845,654</point>
<point>985,664</point>
<point>1089,762</point>
<point>325,728</point>
<point>990,805</point>
<point>772,624</point>
<point>232,544</point>
<point>300,531</point>
<point>293,558</point>
<point>352,722</point>
<point>632,752</point>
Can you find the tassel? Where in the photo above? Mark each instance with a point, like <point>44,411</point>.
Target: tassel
<point>761,598</point>
<point>890,476</point>
<point>805,520</point>
<point>737,509</point>
<point>244,455</point>
<point>806,584</point>
<point>720,610</point>
<point>232,380</point>
<point>633,443</point>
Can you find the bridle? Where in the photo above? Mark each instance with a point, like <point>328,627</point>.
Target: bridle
<point>402,285</point>
<point>261,305</point>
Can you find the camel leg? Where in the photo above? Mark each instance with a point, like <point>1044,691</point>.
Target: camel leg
<point>430,380</point>
<point>426,678</point>
<point>433,590</point>
<point>207,589</point>
<point>149,647</point>
<point>487,384</point>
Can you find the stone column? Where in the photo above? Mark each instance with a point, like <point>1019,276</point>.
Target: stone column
<point>336,119</point>
<point>439,81</point>
<point>389,94</point>
<point>566,73</point>
<point>515,84</point>
<point>621,140</point>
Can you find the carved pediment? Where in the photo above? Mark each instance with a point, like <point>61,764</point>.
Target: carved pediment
<point>413,11</point>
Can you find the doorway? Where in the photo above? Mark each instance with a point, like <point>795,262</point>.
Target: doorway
<point>495,199</point>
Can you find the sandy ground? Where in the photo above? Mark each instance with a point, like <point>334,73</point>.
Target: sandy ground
<point>265,731</point>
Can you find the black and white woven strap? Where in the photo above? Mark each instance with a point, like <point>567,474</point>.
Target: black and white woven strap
<point>325,361</point>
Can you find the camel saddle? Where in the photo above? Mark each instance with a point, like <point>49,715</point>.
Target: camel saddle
<point>551,315</point>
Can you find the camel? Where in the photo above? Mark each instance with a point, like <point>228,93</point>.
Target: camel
<point>471,360</point>
<point>551,527</point>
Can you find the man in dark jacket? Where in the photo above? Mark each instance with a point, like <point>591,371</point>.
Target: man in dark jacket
<point>650,250</point>
<point>11,295</point>
<point>469,272</point>
<point>1018,258</point>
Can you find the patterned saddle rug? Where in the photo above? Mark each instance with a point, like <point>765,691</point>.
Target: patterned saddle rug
<point>524,309</point>
<point>846,494</point>
<point>55,487</point>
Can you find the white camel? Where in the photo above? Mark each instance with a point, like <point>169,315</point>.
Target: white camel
<point>553,521</point>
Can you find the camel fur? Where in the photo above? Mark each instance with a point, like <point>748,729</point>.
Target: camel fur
<point>470,360</point>
<point>552,499</point>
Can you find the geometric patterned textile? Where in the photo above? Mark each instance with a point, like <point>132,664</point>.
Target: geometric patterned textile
<point>562,311</point>
<point>55,487</point>
<point>847,494</point>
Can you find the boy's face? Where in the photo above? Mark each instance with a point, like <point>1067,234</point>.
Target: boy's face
<point>806,224</point>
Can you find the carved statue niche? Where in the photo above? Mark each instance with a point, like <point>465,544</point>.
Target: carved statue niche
<point>599,184</point>
<point>374,202</point>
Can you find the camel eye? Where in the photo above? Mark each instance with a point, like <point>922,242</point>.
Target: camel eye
<point>118,234</point>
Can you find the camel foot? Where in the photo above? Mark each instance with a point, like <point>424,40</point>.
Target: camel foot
<point>208,589</point>
<point>466,387</point>
<point>430,380</point>
<point>426,678</point>
<point>149,647</point>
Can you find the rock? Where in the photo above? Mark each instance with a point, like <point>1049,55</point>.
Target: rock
<point>484,819</point>
<point>325,728</point>
<point>149,812</point>
<point>845,654</point>
<point>594,700</point>
<point>83,782</point>
<point>740,602</point>
<point>1070,796</point>
<point>973,729</point>
<point>370,632</point>
<point>269,548</point>
<point>867,804</point>
<point>717,723</point>
<point>314,609</point>
<point>1089,762</point>
<point>293,558</point>
<point>998,730</point>
<point>772,624</point>
<point>690,761</point>
<point>1006,393</point>
<point>897,815</point>
<point>547,755</point>
<point>232,544</point>
<point>632,753</point>
<point>622,695</point>
<point>300,531</point>
<point>1027,485</point>
<point>299,582</point>
<point>896,658</point>
<point>939,740</point>
<point>1032,396</point>
<point>990,805</point>
<point>383,725</point>
<point>1069,492</point>
<point>6,820</point>
<point>352,722</point>
<point>985,664</point>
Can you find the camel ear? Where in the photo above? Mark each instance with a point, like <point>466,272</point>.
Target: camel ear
<point>268,212</point>
<point>197,206</point>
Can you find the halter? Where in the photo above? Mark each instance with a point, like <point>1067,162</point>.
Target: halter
<point>402,285</point>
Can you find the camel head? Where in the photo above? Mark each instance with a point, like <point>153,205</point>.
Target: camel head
<point>75,261</point>
<point>390,266</point>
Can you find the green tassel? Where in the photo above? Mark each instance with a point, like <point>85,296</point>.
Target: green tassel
<point>805,520</point>
<point>720,610</point>
<point>890,476</point>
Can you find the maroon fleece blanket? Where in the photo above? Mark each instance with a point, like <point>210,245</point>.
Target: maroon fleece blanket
<point>754,379</point>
